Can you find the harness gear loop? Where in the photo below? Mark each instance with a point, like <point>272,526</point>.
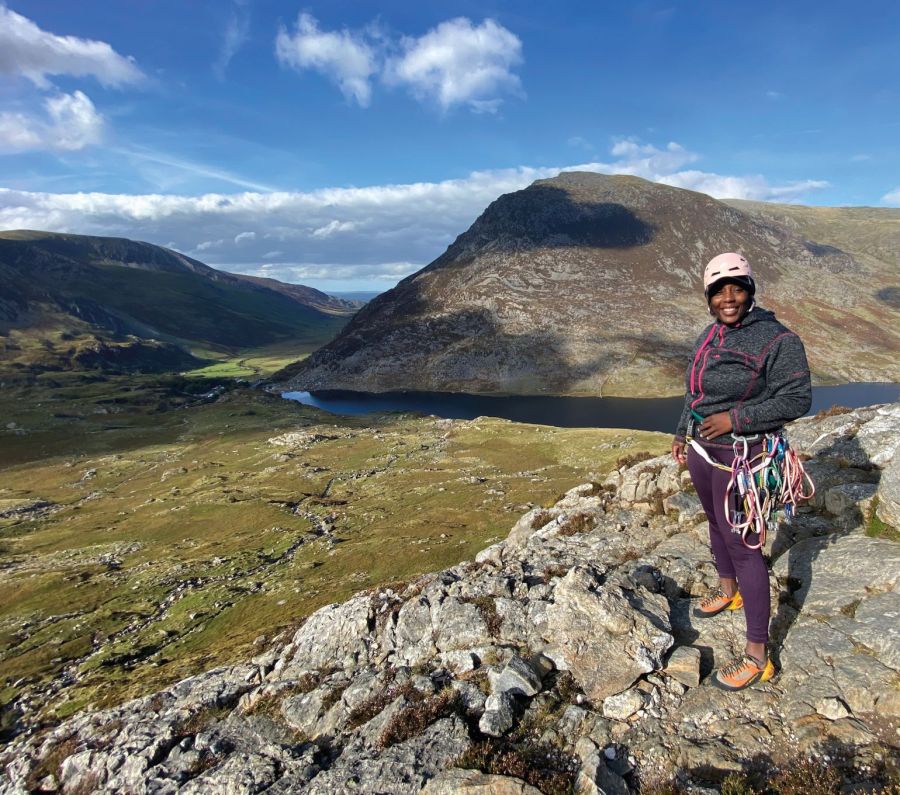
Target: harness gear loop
<point>758,487</point>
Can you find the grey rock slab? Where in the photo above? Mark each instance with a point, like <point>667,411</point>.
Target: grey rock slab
<point>498,715</point>
<point>401,769</point>
<point>686,505</point>
<point>335,635</point>
<point>606,635</point>
<point>413,632</point>
<point>239,773</point>
<point>889,494</point>
<point>850,497</point>
<point>594,776</point>
<point>877,627</point>
<point>518,677</point>
<point>458,625</point>
<point>457,781</point>
<point>527,525</point>
<point>834,572</point>
<point>879,437</point>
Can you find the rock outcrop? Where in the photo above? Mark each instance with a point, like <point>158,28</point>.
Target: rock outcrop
<point>589,284</point>
<point>565,656</point>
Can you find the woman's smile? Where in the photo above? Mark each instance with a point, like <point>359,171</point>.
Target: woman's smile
<point>730,304</point>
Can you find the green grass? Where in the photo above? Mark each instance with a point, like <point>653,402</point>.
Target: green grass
<point>253,362</point>
<point>193,492</point>
<point>876,528</point>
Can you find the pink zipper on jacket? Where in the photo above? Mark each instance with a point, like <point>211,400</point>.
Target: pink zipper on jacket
<point>700,351</point>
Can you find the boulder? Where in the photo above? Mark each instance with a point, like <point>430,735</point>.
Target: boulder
<point>607,635</point>
<point>683,665</point>
<point>889,494</point>
<point>518,677</point>
<point>456,781</point>
<point>498,715</point>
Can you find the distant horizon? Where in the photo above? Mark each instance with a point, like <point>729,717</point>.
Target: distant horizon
<point>344,146</point>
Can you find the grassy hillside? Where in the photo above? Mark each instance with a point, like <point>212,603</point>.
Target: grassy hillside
<point>63,293</point>
<point>147,533</point>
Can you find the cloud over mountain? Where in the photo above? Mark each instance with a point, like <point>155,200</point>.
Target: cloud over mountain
<point>382,232</point>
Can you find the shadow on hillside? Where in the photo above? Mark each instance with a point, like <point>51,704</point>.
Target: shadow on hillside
<point>468,350</point>
<point>543,215</point>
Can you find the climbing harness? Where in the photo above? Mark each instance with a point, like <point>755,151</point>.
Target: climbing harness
<point>758,487</point>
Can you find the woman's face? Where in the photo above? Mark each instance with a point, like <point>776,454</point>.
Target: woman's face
<point>730,304</point>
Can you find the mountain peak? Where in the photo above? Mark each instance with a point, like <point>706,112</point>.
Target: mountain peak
<point>590,284</point>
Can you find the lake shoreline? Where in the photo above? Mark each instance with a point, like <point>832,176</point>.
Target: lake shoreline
<point>649,414</point>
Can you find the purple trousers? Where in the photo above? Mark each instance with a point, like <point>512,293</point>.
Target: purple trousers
<point>732,557</point>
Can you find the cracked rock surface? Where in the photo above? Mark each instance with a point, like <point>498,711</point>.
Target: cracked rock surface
<point>574,636</point>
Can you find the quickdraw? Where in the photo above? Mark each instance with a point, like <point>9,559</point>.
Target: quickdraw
<point>758,487</point>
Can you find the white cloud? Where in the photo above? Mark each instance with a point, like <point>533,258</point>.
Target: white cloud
<point>892,198</point>
<point>344,57</point>
<point>747,187</point>
<point>644,160</point>
<point>458,63</point>
<point>333,228</point>
<point>237,29</point>
<point>71,122</point>
<point>380,232</point>
<point>27,50</point>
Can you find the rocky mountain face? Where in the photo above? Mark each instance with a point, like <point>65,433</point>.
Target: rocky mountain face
<point>62,289</point>
<point>587,284</point>
<point>564,658</point>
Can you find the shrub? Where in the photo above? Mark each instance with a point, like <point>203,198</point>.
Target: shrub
<point>414,718</point>
<point>545,767</point>
<point>554,570</point>
<point>50,763</point>
<point>580,522</point>
<point>376,704</point>
<point>631,459</point>
<point>834,411</point>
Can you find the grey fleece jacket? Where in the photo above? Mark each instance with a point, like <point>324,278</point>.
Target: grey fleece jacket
<point>755,370</point>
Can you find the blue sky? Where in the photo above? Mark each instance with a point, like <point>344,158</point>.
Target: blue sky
<point>345,144</point>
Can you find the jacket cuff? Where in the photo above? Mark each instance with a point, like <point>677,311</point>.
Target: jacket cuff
<point>735,422</point>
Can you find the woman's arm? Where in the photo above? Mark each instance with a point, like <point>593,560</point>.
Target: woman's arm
<point>788,389</point>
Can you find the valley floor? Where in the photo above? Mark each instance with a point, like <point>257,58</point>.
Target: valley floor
<point>154,527</point>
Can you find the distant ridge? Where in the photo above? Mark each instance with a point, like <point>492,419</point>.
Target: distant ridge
<point>587,284</point>
<point>307,296</point>
<point>77,300</point>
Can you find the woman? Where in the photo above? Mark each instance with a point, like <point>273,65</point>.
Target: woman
<point>748,375</point>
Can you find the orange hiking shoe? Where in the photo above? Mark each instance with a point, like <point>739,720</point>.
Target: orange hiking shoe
<point>718,601</point>
<point>743,672</point>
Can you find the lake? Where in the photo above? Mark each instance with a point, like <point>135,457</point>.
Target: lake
<point>644,414</point>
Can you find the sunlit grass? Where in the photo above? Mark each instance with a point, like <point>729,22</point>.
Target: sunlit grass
<point>148,499</point>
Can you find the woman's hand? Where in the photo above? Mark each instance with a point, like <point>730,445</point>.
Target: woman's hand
<point>678,451</point>
<point>715,425</point>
